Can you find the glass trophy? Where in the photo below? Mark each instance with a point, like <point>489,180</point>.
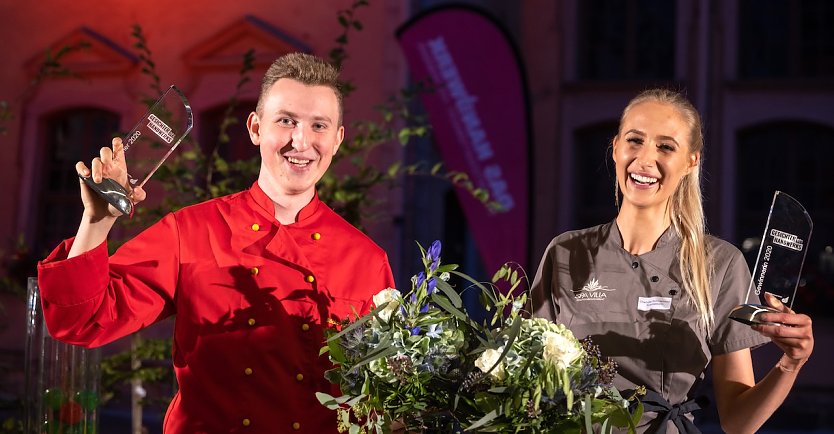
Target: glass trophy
<point>148,144</point>
<point>781,255</point>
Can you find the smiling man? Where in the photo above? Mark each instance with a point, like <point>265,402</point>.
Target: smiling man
<point>298,127</point>
<point>252,277</point>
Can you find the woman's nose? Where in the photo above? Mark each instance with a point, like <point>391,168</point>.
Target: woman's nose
<point>645,156</point>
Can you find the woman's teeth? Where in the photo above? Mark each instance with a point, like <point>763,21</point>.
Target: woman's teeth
<point>643,179</point>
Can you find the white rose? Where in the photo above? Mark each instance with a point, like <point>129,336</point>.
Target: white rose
<point>387,295</point>
<point>487,360</point>
<point>560,350</point>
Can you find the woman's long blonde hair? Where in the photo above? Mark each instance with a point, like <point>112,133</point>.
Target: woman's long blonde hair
<point>686,208</point>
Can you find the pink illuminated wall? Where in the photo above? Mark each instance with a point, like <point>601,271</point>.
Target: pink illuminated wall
<point>196,45</point>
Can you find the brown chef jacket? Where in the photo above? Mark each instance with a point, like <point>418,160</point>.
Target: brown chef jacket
<point>634,308</point>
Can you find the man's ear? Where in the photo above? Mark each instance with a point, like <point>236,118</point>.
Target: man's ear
<point>340,136</point>
<point>253,125</point>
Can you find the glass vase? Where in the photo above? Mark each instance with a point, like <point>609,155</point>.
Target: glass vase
<point>62,380</point>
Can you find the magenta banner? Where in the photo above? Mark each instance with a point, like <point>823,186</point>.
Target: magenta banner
<point>479,119</point>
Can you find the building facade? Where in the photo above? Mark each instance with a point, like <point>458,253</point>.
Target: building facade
<point>761,72</point>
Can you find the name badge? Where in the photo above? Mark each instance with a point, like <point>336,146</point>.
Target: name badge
<point>654,303</point>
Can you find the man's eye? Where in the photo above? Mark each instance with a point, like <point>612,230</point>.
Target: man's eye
<point>319,127</point>
<point>286,121</point>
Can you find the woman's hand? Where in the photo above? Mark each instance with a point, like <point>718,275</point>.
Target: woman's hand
<point>794,335</point>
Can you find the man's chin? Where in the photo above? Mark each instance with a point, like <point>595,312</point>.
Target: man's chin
<point>296,187</point>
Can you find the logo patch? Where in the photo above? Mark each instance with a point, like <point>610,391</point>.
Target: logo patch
<point>592,291</point>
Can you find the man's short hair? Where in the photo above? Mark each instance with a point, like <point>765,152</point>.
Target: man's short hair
<point>305,68</point>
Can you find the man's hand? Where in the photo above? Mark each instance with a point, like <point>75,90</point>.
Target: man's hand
<point>109,164</point>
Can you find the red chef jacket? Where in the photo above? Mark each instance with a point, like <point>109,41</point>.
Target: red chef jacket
<point>250,296</point>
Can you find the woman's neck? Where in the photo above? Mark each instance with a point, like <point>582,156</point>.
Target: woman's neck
<point>640,228</point>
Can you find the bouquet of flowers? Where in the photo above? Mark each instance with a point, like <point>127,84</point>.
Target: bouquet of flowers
<point>418,359</point>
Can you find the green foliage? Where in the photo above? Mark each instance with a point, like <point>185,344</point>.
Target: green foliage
<point>189,176</point>
<point>348,22</point>
<point>120,369</point>
<point>146,59</point>
<point>418,358</point>
<point>348,186</point>
<point>196,173</point>
<point>51,66</point>
<point>20,262</point>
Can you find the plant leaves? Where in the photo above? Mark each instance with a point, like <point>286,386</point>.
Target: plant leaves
<point>487,418</point>
<point>450,292</point>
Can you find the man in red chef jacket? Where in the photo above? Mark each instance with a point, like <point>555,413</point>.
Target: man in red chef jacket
<point>252,277</point>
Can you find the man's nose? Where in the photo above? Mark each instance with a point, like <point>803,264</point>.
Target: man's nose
<point>299,139</point>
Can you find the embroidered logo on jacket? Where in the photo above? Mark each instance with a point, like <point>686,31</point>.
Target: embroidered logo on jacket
<point>592,291</point>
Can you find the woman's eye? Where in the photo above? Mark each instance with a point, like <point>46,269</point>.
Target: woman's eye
<point>635,140</point>
<point>666,147</point>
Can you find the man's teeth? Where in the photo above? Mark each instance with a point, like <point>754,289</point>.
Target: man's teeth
<point>643,179</point>
<point>297,161</point>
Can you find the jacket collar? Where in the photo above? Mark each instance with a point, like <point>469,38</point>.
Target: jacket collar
<point>267,206</point>
<point>664,256</point>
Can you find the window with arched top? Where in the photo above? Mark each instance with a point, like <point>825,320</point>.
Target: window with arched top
<point>786,39</point>
<point>225,131</point>
<point>626,39</point>
<point>68,136</point>
<point>794,157</point>
<point>237,146</point>
<point>594,174</point>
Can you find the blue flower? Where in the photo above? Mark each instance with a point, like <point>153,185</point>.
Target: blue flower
<point>415,331</point>
<point>434,330</point>
<point>430,285</point>
<point>425,308</point>
<point>434,252</point>
<point>420,279</point>
<point>426,367</point>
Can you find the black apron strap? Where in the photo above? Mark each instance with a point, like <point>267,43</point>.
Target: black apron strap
<point>666,412</point>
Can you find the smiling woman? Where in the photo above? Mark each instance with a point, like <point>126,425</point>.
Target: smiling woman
<point>669,286</point>
<point>649,150</point>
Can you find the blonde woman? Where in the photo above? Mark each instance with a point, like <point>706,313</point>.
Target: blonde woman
<point>654,291</point>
